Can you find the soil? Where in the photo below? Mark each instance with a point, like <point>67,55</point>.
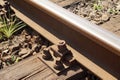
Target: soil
<point>100,12</point>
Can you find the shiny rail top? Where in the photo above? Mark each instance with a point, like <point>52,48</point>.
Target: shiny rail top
<point>92,31</point>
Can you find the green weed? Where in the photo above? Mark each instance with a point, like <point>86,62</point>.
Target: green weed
<point>9,27</point>
<point>97,7</point>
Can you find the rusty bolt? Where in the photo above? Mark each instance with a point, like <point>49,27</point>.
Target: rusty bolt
<point>46,54</point>
<point>62,46</point>
<point>58,65</point>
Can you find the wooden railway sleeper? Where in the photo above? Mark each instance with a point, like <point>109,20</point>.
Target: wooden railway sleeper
<point>60,59</point>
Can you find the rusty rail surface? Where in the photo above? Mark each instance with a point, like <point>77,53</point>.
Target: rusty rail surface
<point>95,48</point>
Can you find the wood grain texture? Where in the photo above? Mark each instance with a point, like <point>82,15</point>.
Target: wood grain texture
<point>22,69</point>
<point>41,75</point>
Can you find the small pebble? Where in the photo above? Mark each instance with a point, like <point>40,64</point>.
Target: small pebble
<point>23,51</point>
<point>105,17</point>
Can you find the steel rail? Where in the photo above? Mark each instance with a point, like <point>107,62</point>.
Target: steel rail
<point>99,35</point>
<point>79,33</point>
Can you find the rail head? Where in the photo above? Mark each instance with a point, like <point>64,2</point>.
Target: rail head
<point>92,31</point>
